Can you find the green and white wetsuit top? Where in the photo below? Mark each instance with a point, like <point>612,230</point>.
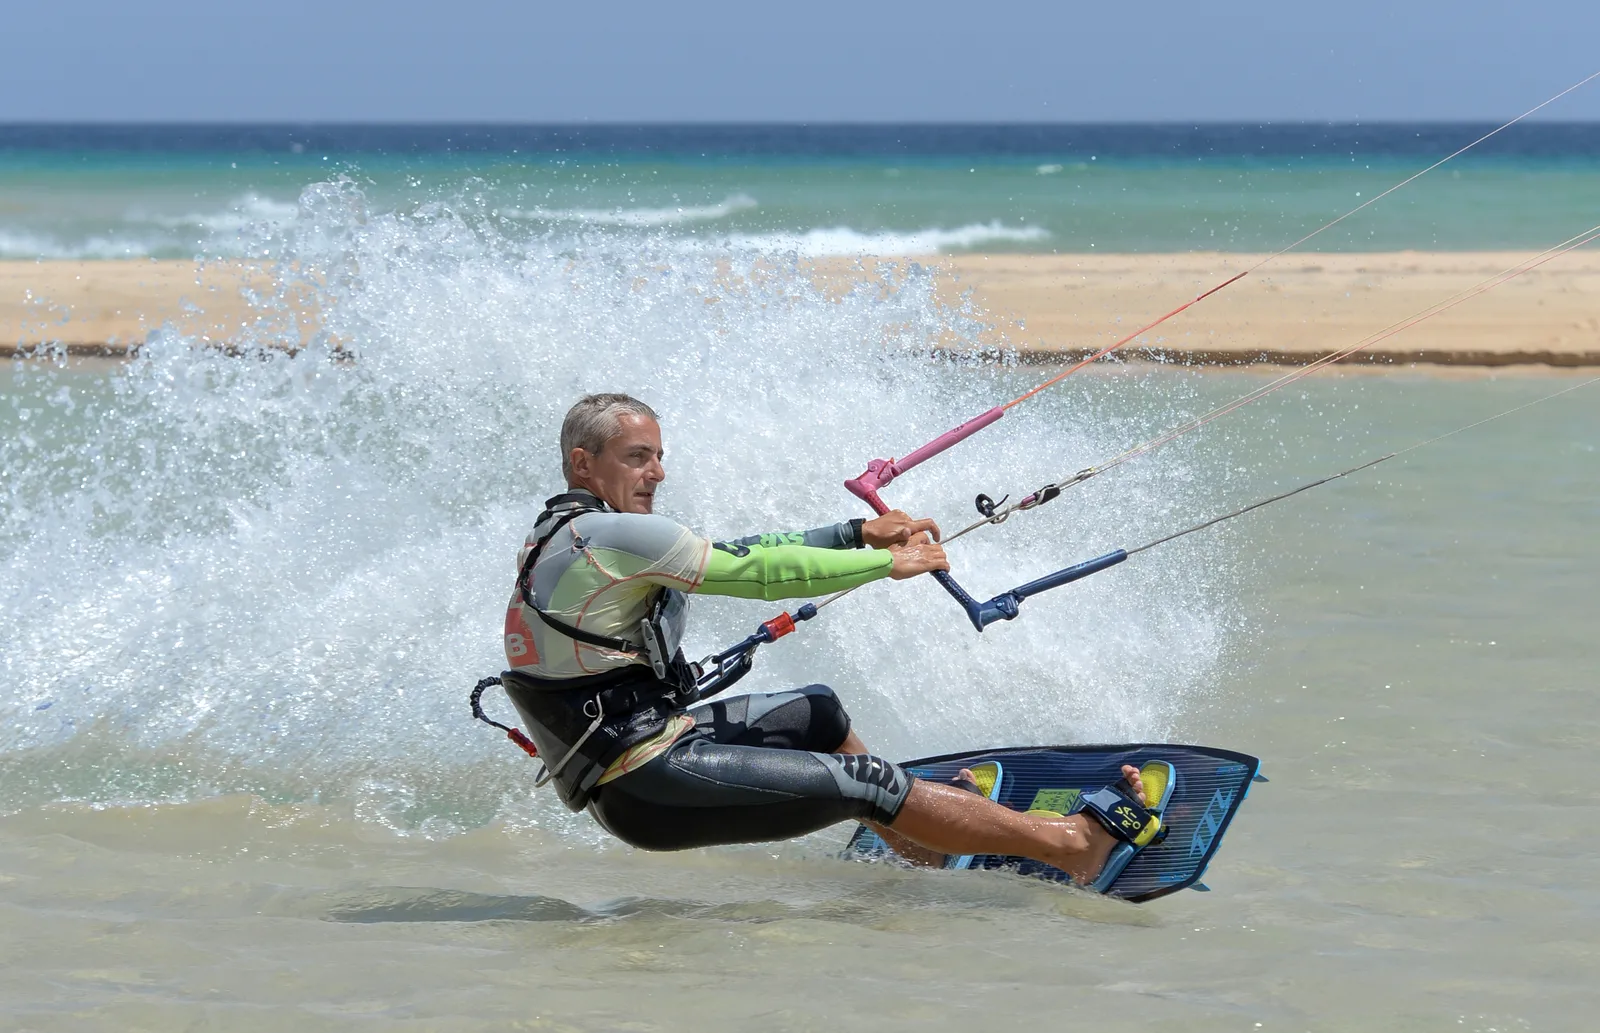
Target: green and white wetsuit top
<point>602,571</point>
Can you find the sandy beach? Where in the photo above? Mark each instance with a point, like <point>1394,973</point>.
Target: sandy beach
<point>108,308</point>
<point>1296,308</point>
<point>1047,307</point>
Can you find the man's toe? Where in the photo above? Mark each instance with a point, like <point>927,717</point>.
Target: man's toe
<point>1135,783</point>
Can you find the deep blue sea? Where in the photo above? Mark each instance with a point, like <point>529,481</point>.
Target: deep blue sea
<point>123,191</point>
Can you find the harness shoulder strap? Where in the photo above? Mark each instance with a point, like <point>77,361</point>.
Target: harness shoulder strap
<point>588,638</point>
<point>525,579</point>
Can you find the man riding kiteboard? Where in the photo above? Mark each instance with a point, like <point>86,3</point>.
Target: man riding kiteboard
<point>592,642</point>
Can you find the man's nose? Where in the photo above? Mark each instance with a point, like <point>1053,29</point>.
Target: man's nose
<point>657,473</point>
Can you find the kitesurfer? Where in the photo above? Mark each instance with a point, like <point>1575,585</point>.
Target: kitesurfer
<point>592,642</point>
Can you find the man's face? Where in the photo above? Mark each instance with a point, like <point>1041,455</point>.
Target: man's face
<point>625,473</point>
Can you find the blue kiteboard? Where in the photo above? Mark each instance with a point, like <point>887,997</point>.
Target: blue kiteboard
<point>1210,786</point>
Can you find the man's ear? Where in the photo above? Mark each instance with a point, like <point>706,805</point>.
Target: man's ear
<point>578,459</point>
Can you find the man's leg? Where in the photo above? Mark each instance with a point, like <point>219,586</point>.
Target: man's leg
<point>937,820</point>
<point>942,817</point>
<point>918,855</point>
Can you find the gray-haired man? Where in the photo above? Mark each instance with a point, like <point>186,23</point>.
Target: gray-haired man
<point>592,634</point>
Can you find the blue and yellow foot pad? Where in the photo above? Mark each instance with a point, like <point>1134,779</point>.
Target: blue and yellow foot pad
<point>988,776</point>
<point>1136,827</point>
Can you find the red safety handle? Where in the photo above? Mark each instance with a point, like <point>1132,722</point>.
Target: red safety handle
<point>516,736</point>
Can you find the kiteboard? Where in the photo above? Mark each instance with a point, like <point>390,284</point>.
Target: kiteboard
<point>1211,784</point>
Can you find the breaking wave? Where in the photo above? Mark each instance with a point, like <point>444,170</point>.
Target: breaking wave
<point>639,218</point>
<point>249,212</point>
<point>844,241</point>
<point>225,232</point>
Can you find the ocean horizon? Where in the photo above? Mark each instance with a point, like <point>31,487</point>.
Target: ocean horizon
<point>198,191</point>
<point>1545,138</point>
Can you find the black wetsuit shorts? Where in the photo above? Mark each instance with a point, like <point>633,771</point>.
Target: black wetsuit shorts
<point>752,769</point>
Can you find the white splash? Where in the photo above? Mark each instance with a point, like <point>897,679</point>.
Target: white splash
<point>282,573</point>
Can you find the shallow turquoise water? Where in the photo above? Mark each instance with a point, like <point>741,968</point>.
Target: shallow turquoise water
<point>1410,652</point>
<point>245,596</point>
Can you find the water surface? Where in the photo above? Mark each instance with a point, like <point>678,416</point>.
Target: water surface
<point>245,597</point>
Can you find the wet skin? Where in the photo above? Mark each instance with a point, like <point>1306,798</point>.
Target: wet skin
<point>938,820</point>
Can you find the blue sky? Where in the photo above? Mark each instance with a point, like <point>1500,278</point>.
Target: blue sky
<point>405,60</point>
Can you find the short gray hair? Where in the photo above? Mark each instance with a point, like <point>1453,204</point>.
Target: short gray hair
<point>595,420</point>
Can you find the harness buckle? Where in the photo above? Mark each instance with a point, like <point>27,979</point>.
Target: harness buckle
<point>598,719</point>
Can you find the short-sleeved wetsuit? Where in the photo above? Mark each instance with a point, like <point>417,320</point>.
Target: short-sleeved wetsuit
<point>746,769</point>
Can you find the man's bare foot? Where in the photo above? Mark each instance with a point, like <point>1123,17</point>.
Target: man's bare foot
<point>1135,782</point>
<point>965,779</point>
<point>1087,865</point>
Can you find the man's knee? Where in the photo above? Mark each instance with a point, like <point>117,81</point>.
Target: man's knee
<point>809,718</point>
<point>830,722</point>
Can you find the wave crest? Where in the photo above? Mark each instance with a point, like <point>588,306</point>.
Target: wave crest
<point>842,240</point>
<point>638,218</point>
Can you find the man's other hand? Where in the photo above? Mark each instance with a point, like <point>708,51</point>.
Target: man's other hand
<point>896,528</point>
<point>917,556</point>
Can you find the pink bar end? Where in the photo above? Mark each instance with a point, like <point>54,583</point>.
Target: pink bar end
<point>948,439</point>
<point>880,472</point>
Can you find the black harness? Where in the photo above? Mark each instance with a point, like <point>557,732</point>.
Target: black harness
<point>578,726</point>
<point>585,723</point>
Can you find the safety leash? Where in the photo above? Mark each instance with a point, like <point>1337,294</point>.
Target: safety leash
<point>514,734</point>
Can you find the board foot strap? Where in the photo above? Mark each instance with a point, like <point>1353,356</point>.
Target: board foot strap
<point>1136,826</point>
